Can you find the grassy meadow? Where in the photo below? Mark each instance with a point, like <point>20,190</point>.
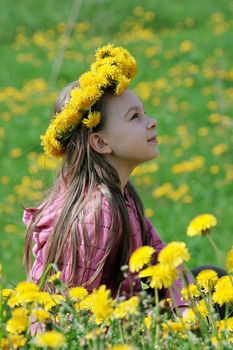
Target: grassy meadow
<point>185,73</point>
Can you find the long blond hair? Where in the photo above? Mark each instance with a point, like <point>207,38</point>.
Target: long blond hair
<point>83,168</point>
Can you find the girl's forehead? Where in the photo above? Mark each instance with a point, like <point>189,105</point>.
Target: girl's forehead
<point>122,103</point>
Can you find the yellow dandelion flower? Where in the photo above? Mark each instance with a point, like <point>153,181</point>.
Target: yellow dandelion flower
<point>41,315</point>
<point>78,293</point>
<point>127,307</point>
<point>14,341</point>
<point>122,85</point>
<point>102,304</point>
<point>147,321</point>
<point>175,253</point>
<point>223,290</point>
<point>6,292</point>
<point>190,292</point>
<point>190,318</point>
<point>27,297</point>
<point>214,342</point>
<point>95,333</point>
<point>186,46</point>
<point>49,301</point>
<point>84,304</point>
<point>104,51</point>
<point>160,275</point>
<point>52,339</point>
<point>13,301</point>
<point>173,326</point>
<point>226,324</point>
<point>17,324</point>
<point>55,277</point>
<point>229,260</point>
<point>202,308</point>
<point>20,311</point>
<point>140,257</point>
<point>4,344</point>
<point>206,279</point>
<point>26,286</point>
<point>201,225</point>
<point>92,120</point>
<point>121,347</point>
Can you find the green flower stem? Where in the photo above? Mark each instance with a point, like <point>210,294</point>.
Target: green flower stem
<point>121,331</point>
<point>1,304</point>
<point>156,316</point>
<point>192,303</point>
<point>181,318</point>
<point>210,307</point>
<point>217,251</point>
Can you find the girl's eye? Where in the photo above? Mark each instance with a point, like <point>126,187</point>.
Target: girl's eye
<point>134,116</point>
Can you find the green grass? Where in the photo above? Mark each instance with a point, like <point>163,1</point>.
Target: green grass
<point>207,25</point>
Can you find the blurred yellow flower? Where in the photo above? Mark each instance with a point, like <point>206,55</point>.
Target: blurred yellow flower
<point>55,277</point>
<point>175,253</point>
<point>102,304</point>
<point>121,347</point>
<point>147,321</point>
<point>226,324</point>
<point>160,275</point>
<point>95,333</point>
<point>229,260</point>
<point>172,326</point>
<point>206,279</point>
<point>15,153</point>
<point>52,339</point>
<point>14,341</point>
<point>219,149</point>
<point>140,257</point>
<point>193,164</point>
<point>49,301</point>
<point>202,308</point>
<point>20,311</point>
<point>78,293</point>
<point>127,307</point>
<point>190,292</point>
<point>190,319</point>
<point>6,292</point>
<point>41,315</point>
<point>17,324</point>
<point>25,286</point>
<point>186,46</point>
<point>223,290</point>
<point>201,225</point>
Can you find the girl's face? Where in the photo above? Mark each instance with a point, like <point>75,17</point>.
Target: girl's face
<point>129,132</point>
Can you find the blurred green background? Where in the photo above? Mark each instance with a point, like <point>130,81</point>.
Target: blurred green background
<point>185,73</point>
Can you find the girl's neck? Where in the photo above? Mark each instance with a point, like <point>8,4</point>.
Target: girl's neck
<point>123,168</point>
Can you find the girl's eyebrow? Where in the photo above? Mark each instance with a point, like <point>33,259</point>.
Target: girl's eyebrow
<point>135,108</point>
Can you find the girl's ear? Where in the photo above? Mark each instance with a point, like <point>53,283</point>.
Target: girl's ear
<point>99,144</point>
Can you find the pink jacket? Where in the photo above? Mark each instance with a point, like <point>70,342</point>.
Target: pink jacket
<point>129,285</point>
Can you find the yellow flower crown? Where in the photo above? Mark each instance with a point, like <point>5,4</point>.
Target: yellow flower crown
<point>114,67</point>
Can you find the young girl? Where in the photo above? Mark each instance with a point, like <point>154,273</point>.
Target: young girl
<point>93,219</point>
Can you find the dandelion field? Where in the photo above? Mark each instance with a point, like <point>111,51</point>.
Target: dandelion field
<point>63,318</point>
<point>185,76</point>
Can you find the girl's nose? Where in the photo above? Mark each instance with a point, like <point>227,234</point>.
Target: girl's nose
<point>152,123</point>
